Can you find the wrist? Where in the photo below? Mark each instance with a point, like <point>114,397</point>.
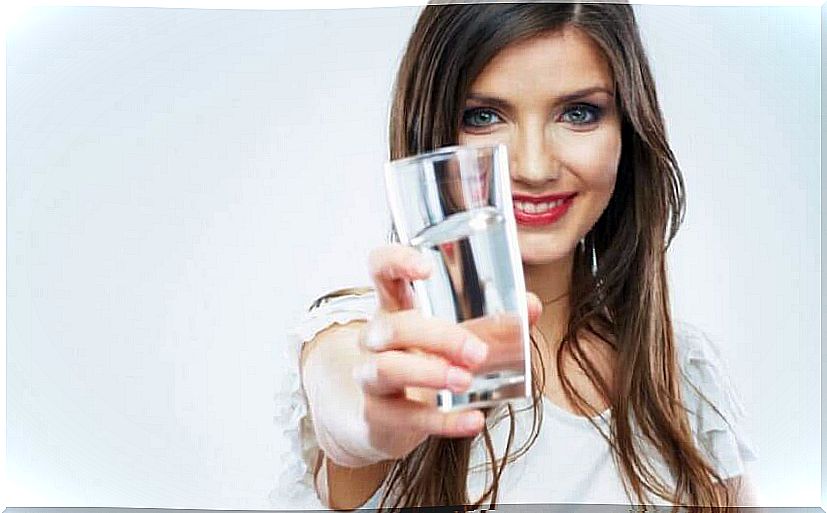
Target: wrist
<point>348,449</point>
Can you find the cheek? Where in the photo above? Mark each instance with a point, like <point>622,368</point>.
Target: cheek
<point>496,137</point>
<point>594,158</point>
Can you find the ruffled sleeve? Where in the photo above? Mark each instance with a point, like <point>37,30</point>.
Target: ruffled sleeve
<point>715,410</point>
<point>294,488</point>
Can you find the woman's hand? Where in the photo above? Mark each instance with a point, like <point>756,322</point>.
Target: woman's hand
<point>404,351</point>
<point>371,386</point>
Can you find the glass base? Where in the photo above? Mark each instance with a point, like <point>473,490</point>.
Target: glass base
<point>485,390</point>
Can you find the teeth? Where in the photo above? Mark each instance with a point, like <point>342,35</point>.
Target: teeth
<point>537,208</point>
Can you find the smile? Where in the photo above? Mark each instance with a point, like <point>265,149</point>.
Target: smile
<point>540,211</point>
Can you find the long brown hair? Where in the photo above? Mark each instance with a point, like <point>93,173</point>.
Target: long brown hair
<point>625,303</point>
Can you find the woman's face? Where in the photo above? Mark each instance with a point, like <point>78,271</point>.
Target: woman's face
<point>550,99</point>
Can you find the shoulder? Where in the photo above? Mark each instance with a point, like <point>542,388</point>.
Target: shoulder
<point>339,307</point>
<point>704,370</point>
<point>694,344</point>
<point>714,406</point>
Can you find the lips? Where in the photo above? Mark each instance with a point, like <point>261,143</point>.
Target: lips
<point>541,210</point>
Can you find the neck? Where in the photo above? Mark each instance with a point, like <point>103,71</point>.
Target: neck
<point>551,282</point>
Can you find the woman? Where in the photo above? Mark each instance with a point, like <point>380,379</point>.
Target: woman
<point>638,411</point>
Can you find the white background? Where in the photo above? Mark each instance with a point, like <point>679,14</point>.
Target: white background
<point>182,183</point>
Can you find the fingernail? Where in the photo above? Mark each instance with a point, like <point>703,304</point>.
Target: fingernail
<point>474,351</point>
<point>423,266</point>
<point>378,334</point>
<point>469,422</point>
<point>365,373</point>
<point>458,379</point>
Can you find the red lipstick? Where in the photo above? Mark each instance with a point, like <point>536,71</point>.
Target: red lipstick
<point>535,211</point>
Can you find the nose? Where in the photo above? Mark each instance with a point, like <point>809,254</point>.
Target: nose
<point>532,157</point>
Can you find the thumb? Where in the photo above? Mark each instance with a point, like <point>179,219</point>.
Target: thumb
<point>535,307</point>
<point>392,269</point>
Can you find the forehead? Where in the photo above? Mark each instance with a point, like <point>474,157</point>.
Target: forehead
<point>560,61</point>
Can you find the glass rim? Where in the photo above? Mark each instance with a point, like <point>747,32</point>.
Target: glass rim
<point>443,152</point>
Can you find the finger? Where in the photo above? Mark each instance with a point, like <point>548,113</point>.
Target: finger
<point>504,335</point>
<point>389,372</point>
<point>401,415</point>
<point>410,330</point>
<point>502,328</point>
<point>392,267</point>
<point>535,307</point>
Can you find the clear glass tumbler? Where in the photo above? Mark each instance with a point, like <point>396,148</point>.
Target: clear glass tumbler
<point>454,205</point>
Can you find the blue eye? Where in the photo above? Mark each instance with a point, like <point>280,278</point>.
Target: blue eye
<point>582,114</point>
<point>477,118</point>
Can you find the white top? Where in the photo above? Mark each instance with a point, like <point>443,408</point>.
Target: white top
<point>569,462</point>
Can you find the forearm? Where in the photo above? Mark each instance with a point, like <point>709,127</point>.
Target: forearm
<point>344,480</point>
<point>345,488</point>
<point>745,495</point>
<point>746,491</point>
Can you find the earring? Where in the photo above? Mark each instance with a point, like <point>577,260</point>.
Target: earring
<point>582,244</point>
<point>594,261</point>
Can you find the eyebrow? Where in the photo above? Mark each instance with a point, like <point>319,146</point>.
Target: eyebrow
<point>575,95</point>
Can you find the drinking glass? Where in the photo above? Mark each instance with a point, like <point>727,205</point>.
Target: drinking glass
<point>454,205</point>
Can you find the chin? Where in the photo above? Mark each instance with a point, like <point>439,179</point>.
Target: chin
<point>535,254</point>
<point>539,259</point>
